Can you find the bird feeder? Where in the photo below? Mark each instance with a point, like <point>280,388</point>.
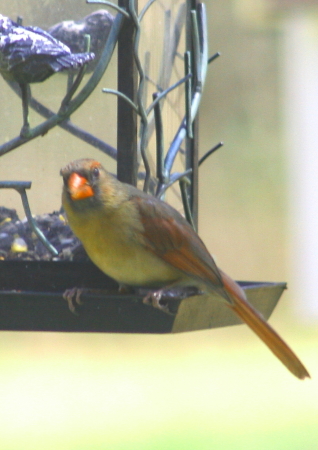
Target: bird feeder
<point>135,108</point>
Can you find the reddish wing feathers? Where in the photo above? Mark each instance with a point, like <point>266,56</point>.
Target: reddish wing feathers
<point>170,236</point>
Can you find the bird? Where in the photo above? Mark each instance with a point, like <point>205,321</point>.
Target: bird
<point>72,33</point>
<point>31,55</point>
<point>140,240</point>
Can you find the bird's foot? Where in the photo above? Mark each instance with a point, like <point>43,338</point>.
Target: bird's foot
<point>73,298</point>
<point>157,299</point>
<point>168,299</point>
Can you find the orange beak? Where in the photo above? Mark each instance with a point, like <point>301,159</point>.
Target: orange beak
<point>79,187</point>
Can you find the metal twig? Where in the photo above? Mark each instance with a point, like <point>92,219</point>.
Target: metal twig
<point>199,24</point>
<point>173,179</point>
<point>203,33</point>
<point>201,57</point>
<point>196,48</point>
<point>111,5</point>
<point>213,57</point>
<point>184,182</point>
<point>101,65</point>
<point>209,152</point>
<point>68,125</point>
<point>123,96</point>
<point>168,53</point>
<point>170,45</point>
<point>175,146</point>
<point>70,81</point>
<point>147,58</point>
<point>188,94</point>
<point>20,187</point>
<point>73,88</point>
<point>162,179</point>
<point>145,9</point>
<point>79,99</point>
<point>141,108</point>
<point>166,91</point>
<point>75,85</point>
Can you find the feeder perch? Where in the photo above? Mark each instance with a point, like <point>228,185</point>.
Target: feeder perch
<point>158,87</point>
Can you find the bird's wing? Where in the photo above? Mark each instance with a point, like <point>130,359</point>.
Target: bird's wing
<point>47,44</point>
<point>23,45</point>
<point>169,236</point>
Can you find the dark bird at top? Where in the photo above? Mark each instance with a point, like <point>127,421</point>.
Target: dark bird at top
<point>31,55</point>
<point>72,33</point>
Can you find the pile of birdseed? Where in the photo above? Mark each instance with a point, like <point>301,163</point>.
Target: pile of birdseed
<point>19,242</point>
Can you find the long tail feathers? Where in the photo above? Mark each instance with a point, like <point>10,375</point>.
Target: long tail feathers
<point>263,330</point>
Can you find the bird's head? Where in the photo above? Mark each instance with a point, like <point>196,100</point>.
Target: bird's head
<point>88,185</point>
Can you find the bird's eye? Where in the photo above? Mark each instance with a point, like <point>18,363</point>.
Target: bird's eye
<point>95,172</point>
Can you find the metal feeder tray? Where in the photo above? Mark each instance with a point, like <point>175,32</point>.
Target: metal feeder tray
<point>31,300</point>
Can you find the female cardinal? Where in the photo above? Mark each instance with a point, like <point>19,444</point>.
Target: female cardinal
<point>141,241</point>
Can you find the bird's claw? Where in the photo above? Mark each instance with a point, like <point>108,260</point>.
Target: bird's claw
<point>155,299</point>
<point>168,299</point>
<point>73,298</point>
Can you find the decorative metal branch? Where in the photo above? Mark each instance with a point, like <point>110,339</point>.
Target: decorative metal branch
<point>209,152</point>
<point>69,126</point>
<point>111,5</point>
<point>199,27</point>
<point>21,186</point>
<point>140,90</point>
<point>66,110</point>
<point>195,68</point>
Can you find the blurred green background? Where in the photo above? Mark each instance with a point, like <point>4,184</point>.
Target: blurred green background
<point>219,389</point>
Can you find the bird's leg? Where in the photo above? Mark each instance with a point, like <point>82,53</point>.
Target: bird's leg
<point>25,94</point>
<point>168,298</point>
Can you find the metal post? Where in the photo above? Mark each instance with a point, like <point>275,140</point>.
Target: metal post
<point>192,155</point>
<point>126,117</point>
